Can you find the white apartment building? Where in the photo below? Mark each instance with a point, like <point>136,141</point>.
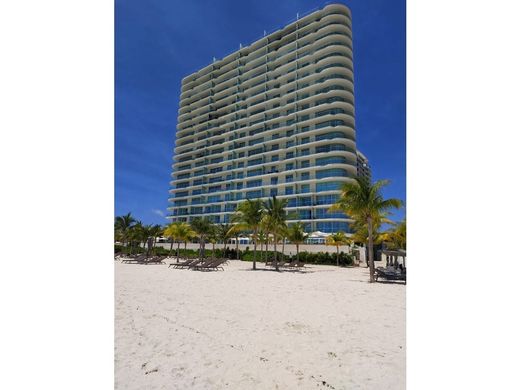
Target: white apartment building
<point>273,118</point>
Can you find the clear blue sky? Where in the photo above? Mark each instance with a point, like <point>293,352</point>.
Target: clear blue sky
<point>158,42</point>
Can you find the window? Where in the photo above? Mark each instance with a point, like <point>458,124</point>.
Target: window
<point>331,160</point>
<point>289,166</point>
<point>305,188</point>
<point>254,183</point>
<point>274,181</point>
<point>334,172</point>
<point>254,194</point>
<point>289,191</point>
<point>330,186</point>
<point>289,178</point>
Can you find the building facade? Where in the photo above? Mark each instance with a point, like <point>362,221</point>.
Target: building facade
<point>273,118</point>
<point>363,168</point>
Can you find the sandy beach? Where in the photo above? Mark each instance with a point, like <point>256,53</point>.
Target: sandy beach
<point>241,329</point>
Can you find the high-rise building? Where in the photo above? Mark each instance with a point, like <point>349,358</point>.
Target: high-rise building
<point>273,118</point>
<point>363,169</point>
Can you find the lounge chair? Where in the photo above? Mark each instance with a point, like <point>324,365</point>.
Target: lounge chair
<point>281,263</point>
<point>295,264</point>
<point>155,260</point>
<point>185,262</point>
<point>390,274</point>
<point>136,259</point>
<point>191,263</point>
<point>213,264</point>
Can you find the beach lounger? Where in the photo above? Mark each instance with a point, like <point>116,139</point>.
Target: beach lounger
<point>185,262</point>
<point>389,274</point>
<point>281,263</point>
<point>215,264</point>
<point>188,265</point>
<point>155,260</point>
<point>294,264</point>
<point>136,259</point>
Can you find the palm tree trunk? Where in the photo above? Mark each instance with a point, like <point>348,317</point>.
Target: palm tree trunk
<point>236,239</point>
<point>178,249</point>
<point>298,254</point>
<point>254,254</point>
<point>213,251</point>
<point>185,246</point>
<point>370,250</point>
<point>171,247</point>
<point>337,256</point>
<point>275,253</point>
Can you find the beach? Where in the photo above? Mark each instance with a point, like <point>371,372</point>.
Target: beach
<point>324,327</point>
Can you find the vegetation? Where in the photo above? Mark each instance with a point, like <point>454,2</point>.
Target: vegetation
<point>249,215</point>
<point>364,203</point>
<point>266,223</point>
<point>296,234</point>
<point>274,221</point>
<point>338,239</point>
<point>395,238</point>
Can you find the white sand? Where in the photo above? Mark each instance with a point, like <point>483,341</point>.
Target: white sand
<point>239,329</point>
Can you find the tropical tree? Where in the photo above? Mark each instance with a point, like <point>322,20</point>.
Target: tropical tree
<point>186,233</point>
<point>224,233</point>
<point>175,231</point>
<point>363,201</point>
<point>337,239</point>
<point>296,234</point>
<point>274,220</point>
<point>203,228</point>
<point>156,231</point>
<point>123,225</point>
<point>213,237</point>
<point>395,237</point>
<point>262,239</point>
<point>248,216</point>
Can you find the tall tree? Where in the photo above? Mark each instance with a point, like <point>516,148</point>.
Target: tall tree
<point>177,231</point>
<point>123,224</point>
<point>363,201</point>
<point>224,234</point>
<point>203,228</point>
<point>274,220</point>
<point>337,239</point>
<point>249,216</point>
<point>296,234</point>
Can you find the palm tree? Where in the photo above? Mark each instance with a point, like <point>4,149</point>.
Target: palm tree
<point>174,231</point>
<point>396,237</point>
<point>262,239</point>
<point>337,239</point>
<point>203,228</point>
<point>274,220</point>
<point>213,237</point>
<point>123,225</point>
<point>224,234</point>
<point>248,216</point>
<point>135,235</point>
<point>186,233</point>
<point>364,202</point>
<point>155,232</point>
<point>296,234</point>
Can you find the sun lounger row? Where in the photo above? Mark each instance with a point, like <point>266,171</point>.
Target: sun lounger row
<point>200,264</point>
<point>143,259</point>
<point>285,264</point>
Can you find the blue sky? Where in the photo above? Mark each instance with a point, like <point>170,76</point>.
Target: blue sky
<point>158,42</point>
